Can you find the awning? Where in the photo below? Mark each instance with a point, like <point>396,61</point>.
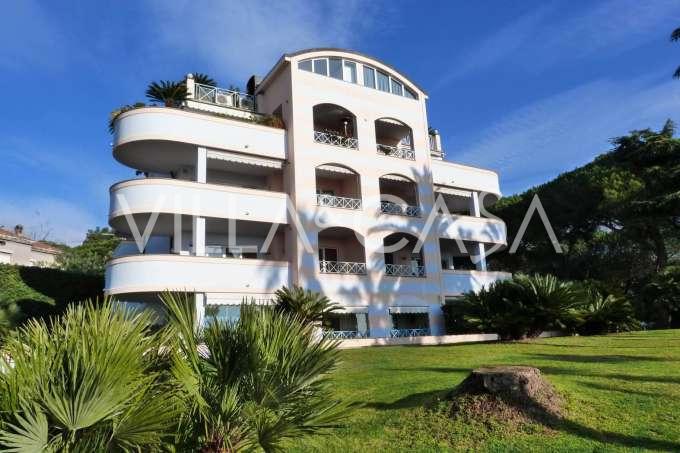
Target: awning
<point>396,178</point>
<point>390,121</point>
<point>400,310</point>
<point>352,310</point>
<point>243,159</point>
<point>452,191</point>
<point>335,169</point>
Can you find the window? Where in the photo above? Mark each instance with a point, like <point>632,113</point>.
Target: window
<point>397,88</point>
<point>383,82</point>
<point>321,66</point>
<point>223,313</point>
<point>305,65</point>
<point>369,77</point>
<point>328,254</point>
<point>335,66</point>
<point>409,94</point>
<point>350,72</point>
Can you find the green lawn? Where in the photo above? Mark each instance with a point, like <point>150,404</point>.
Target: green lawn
<point>622,391</point>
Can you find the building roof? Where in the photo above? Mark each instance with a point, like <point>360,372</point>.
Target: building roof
<point>39,246</point>
<point>337,49</point>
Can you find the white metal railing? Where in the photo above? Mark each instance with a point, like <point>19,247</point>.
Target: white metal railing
<point>389,207</point>
<point>224,97</point>
<point>405,270</point>
<point>400,333</point>
<point>341,267</point>
<point>342,334</point>
<point>336,140</point>
<point>337,202</point>
<point>402,152</point>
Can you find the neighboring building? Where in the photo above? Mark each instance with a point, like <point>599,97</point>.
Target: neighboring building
<point>15,248</point>
<point>360,168</point>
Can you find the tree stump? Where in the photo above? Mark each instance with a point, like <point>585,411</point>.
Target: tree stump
<point>507,392</point>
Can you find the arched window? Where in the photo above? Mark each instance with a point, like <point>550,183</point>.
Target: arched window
<point>399,195</point>
<point>403,256</point>
<point>394,138</point>
<point>337,186</point>
<point>341,252</point>
<point>335,125</point>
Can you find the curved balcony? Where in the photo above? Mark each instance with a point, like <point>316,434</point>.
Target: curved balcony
<point>153,273</point>
<point>468,228</point>
<point>462,176</point>
<point>163,139</point>
<point>198,199</point>
<point>458,282</point>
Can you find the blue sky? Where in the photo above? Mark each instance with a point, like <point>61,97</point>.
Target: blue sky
<point>530,88</point>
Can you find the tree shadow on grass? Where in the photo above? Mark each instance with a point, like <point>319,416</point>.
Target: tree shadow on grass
<point>611,388</point>
<point>609,358</point>
<point>619,376</point>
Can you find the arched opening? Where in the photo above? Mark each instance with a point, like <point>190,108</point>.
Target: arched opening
<point>341,252</point>
<point>403,256</point>
<point>394,138</point>
<point>335,125</point>
<point>399,195</point>
<point>337,186</point>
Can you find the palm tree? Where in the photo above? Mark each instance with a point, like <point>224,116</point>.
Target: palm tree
<point>675,36</point>
<point>91,380</point>
<point>204,79</point>
<point>251,384</point>
<point>170,93</point>
<point>305,304</point>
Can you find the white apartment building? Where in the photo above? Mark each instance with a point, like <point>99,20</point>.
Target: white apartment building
<point>338,199</point>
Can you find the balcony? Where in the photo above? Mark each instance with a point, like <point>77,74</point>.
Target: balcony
<point>457,282</point>
<point>394,139</point>
<point>224,98</point>
<point>342,267</point>
<point>403,333</point>
<point>387,207</point>
<point>404,270</point>
<point>335,125</point>
<point>337,202</point>
<point>450,175</point>
<point>337,187</point>
<point>155,273</point>
<point>174,196</point>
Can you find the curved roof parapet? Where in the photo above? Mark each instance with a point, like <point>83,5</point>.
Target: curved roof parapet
<point>360,55</point>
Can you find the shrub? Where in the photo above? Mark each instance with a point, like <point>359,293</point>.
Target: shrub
<point>252,383</point>
<point>660,299</point>
<point>305,304</point>
<point>519,308</point>
<point>604,312</point>
<point>167,92</point>
<point>90,381</point>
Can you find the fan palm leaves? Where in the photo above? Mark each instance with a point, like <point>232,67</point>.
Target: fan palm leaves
<point>305,304</point>
<point>168,92</point>
<point>92,380</point>
<point>252,383</point>
<point>204,79</point>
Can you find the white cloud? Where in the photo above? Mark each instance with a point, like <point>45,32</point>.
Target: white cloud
<point>47,218</point>
<point>243,38</point>
<point>566,130</point>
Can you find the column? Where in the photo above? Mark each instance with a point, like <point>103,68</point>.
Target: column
<point>198,235</point>
<point>177,235</point>
<point>436,318</point>
<point>201,164</point>
<point>480,253</point>
<point>474,204</point>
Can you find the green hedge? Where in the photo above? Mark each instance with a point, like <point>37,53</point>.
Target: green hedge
<point>41,292</point>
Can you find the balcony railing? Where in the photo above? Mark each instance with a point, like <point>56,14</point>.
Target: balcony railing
<point>224,97</point>
<point>329,138</point>
<point>341,267</point>
<point>402,152</point>
<point>342,334</point>
<point>401,333</point>
<point>404,270</point>
<point>338,202</point>
<point>389,207</point>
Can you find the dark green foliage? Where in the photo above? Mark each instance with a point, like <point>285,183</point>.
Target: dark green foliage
<point>88,381</point>
<point>254,383</point>
<point>42,292</point>
<point>605,312</point>
<point>91,256</point>
<point>167,92</point>
<point>660,299</point>
<point>519,308</point>
<point>204,79</point>
<point>305,304</point>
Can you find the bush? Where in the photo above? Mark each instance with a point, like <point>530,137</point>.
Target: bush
<point>659,299</point>
<point>304,304</point>
<point>604,312</point>
<point>42,292</point>
<point>514,309</point>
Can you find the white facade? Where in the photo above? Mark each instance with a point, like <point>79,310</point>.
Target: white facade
<point>343,199</point>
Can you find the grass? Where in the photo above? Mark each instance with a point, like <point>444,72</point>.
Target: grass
<point>622,393</point>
